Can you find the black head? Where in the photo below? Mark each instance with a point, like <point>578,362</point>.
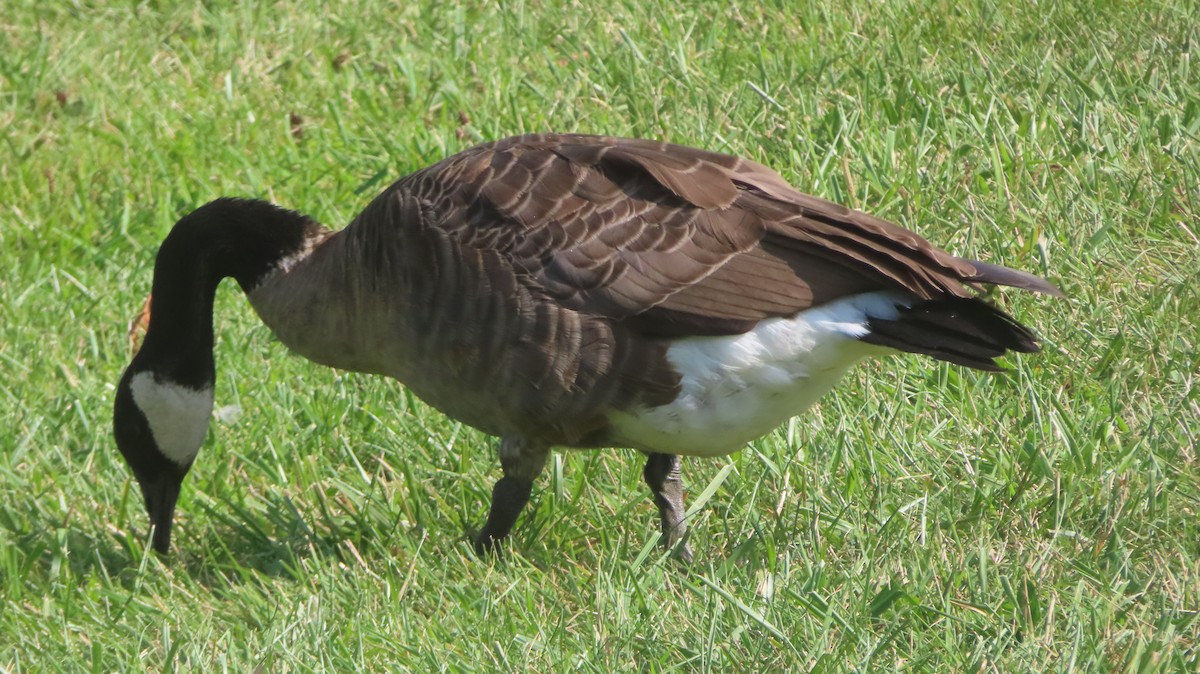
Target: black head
<point>164,400</point>
<point>159,426</point>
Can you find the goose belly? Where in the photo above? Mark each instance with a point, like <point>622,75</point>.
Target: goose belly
<point>736,388</point>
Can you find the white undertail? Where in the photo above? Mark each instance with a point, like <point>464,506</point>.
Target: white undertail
<point>739,387</point>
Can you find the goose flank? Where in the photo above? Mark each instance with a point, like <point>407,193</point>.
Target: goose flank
<point>563,291</point>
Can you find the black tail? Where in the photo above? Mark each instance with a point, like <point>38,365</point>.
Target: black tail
<point>968,332</point>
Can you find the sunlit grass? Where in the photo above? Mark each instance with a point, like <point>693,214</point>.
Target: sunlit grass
<point>922,518</point>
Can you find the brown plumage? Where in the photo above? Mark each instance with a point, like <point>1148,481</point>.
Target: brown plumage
<point>535,287</point>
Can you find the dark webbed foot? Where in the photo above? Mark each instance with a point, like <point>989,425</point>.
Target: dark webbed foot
<point>522,463</point>
<point>509,497</point>
<point>666,486</point>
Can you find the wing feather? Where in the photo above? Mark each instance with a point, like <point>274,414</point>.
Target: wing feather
<point>673,239</point>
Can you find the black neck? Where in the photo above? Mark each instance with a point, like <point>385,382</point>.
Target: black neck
<point>235,238</point>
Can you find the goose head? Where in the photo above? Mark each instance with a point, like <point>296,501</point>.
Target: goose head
<point>159,426</point>
<point>164,399</point>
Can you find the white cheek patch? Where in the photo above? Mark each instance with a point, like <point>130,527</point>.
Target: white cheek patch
<point>178,415</point>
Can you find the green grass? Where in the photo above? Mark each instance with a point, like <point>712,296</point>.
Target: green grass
<point>923,518</point>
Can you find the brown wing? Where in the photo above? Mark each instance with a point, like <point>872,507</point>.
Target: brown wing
<point>673,240</point>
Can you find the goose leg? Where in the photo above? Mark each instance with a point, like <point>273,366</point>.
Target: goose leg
<point>522,463</point>
<point>666,486</point>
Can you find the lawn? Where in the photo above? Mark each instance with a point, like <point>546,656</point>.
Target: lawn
<point>922,518</point>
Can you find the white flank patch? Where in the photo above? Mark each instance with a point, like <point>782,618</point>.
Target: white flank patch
<point>737,388</point>
<point>178,415</point>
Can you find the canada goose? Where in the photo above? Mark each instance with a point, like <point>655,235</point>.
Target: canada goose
<point>563,290</point>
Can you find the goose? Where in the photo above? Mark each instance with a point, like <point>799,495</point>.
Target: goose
<point>563,291</point>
